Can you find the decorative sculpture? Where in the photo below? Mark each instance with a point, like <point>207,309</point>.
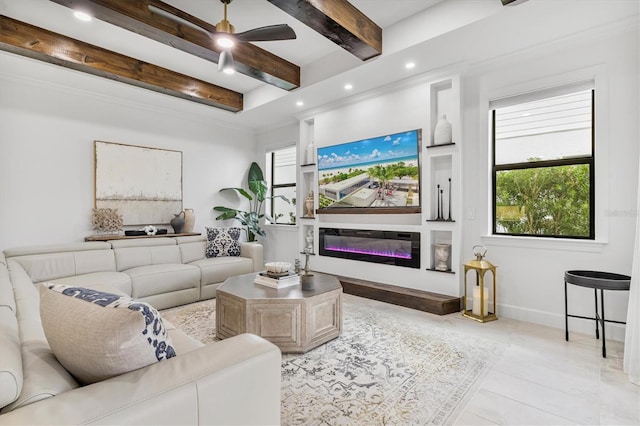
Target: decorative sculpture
<point>449,218</point>
<point>439,207</point>
<point>441,254</point>
<point>309,239</point>
<point>308,205</point>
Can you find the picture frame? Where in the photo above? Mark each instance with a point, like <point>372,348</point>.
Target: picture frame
<point>143,183</point>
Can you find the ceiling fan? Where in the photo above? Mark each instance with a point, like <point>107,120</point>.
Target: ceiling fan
<point>225,35</point>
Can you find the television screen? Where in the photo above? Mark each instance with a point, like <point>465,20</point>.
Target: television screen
<point>381,172</point>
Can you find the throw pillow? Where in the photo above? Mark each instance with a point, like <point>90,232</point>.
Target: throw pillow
<point>97,335</point>
<point>223,242</point>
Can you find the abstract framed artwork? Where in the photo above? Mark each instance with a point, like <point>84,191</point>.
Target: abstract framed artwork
<point>143,183</point>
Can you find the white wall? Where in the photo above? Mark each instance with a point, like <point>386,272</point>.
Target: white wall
<point>49,119</point>
<point>530,272</point>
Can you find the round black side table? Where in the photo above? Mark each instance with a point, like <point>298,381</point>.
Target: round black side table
<point>597,281</point>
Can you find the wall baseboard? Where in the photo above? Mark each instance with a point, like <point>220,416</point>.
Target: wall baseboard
<point>576,325</point>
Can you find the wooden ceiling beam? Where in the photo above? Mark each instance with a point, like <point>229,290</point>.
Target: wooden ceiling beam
<point>340,22</point>
<point>28,40</point>
<point>137,17</point>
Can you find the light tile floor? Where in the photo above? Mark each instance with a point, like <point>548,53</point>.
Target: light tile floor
<point>540,379</point>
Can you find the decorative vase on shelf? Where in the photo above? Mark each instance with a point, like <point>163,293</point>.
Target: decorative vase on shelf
<point>308,205</point>
<point>441,254</point>
<point>442,132</point>
<point>189,220</point>
<point>177,223</point>
<point>311,148</point>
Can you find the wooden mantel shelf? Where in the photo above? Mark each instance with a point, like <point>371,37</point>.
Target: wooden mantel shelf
<point>130,237</point>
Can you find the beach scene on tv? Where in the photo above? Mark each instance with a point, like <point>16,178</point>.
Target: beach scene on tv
<point>378,172</point>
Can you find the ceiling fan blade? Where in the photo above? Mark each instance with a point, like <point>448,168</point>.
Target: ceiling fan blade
<point>225,63</point>
<point>268,33</point>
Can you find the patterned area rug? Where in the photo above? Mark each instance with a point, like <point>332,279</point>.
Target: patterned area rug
<point>381,371</point>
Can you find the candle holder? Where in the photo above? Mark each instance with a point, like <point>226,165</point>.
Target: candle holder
<point>480,303</point>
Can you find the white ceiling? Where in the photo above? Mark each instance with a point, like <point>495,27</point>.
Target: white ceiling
<point>405,23</point>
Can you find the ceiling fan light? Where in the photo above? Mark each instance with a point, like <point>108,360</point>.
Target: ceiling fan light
<point>224,41</point>
<point>225,63</point>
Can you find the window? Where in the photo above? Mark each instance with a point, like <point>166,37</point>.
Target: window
<point>543,163</point>
<point>281,173</point>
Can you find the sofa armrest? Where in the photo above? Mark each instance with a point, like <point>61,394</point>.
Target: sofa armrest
<point>255,252</point>
<point>234,381</point>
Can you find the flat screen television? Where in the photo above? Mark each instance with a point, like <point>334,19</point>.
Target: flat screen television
<point>379,174</point>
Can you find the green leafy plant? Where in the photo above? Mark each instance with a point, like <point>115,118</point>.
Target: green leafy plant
<point>250,218</point>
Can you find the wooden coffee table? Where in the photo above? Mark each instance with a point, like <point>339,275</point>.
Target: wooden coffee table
<point>294,320</point>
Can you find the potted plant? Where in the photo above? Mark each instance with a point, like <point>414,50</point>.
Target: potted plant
<point>251,218</point>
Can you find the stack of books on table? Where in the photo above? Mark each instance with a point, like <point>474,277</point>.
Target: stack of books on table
<point>279,281</point>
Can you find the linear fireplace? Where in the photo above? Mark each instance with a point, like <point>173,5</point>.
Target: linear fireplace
<point>389,247</point>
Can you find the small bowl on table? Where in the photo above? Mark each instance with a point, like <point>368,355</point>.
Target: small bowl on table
<point>277,268</point>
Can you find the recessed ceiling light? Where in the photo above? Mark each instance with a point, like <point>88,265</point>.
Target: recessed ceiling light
<point>299,103</point>
<point>82,16</point>
<point>410,65</point>
<point>229,70</point>
<point>348,86</point>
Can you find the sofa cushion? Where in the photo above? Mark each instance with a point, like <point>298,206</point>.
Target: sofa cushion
<point>223,242</point>
<point>182,342</point>
<point>192,248</point>
<point>43,376</point>
<point>59,264</point>
<point>115,282</point>
<point>10,357</point>
<point>145,251</point>
<point>97,335</point>
<point>159,279</point>
<point>217,269</point>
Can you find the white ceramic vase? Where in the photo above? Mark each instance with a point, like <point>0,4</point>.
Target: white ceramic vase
<point>189,220</point>
<point>311,151</point>
<point>442,132</point>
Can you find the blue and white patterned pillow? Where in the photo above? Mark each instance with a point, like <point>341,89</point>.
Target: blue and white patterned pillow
<point>223,242</point>
<point>97,335</point>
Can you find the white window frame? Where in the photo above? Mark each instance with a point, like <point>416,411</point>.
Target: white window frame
<point>522,165</point>
<point>598,75</point>
<point>269,160</point>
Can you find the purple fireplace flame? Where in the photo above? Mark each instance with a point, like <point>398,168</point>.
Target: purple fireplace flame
<point>370,252</point>
<point>389,247</point>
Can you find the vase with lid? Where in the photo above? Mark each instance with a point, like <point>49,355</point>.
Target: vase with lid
<point>442,132</point>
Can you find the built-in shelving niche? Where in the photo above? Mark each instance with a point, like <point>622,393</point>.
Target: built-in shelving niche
<point>439,164</point>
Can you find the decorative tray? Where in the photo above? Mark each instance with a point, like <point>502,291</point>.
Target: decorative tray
<point>139,233</point>
<point>277,274</point>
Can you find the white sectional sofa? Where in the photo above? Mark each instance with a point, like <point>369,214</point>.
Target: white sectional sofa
<point>234,381</point>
